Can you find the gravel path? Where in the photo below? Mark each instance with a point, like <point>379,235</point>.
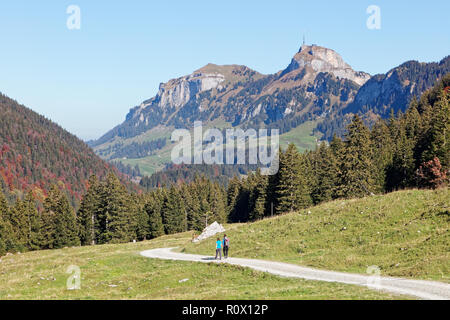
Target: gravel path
<point>418,288</point>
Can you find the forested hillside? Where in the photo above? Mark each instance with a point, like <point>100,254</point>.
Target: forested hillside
<point>178,174</point>
<point>386,93</point>
<point>408,151</point>
<point>36,153</point>
<point>109,213</point>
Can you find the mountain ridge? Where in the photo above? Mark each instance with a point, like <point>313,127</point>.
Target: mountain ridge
<point>393,90</point>
<point>402,79</point>
<point>35,153</point>
<point>239,93</point>
<point>316,85</point>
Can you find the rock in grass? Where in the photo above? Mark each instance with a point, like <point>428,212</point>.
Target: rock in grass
<point>210,231</point>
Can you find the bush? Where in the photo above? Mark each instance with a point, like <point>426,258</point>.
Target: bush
<point>431,174</point>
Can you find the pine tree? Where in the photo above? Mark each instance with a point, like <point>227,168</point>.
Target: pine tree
<point>141,216</point>
<point>33,222</point>
<point>59,222</point>
<point>337,148</point>
<point>7,239</point>
<point>326,172</point>
<point>156,226</point>
<point>381,154</point>
<point>306,178</point>
<point>436,135</point>
<point>401,172</point>
<point>272,183</point>
<point>19,222</point>
<point>232,194</point>
<point>25,222</point>
<point>47,231</point>
<point>292,191</point>
<point>242,197</point>
<point>240,212</point>
<point>259,197</point>
<point>132,209</point>
<point>89,209</point>
<point>192,205</point>
<point>153,208</point>
<point>217,200</point>
<point>173,212</point>
<point>114,218</point>
<point>66,225</point>
<point>357,169</point>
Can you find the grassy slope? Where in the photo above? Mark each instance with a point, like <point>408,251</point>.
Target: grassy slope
<point>403,233</point>
<point>147,165</point>
<point>157,162</point>
<point>119,272</point>
<point>151,164</point>
<point>302,136</point>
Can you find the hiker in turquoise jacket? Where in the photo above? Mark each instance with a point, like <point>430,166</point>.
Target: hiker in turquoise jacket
<point>219,248</point>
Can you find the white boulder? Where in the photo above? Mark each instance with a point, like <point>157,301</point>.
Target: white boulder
<point>210,231</point>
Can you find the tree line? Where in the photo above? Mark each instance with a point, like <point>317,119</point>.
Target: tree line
<point>108,213</point>
<point>185,173</point>
<point>409,150</point>
<point>35,152</point>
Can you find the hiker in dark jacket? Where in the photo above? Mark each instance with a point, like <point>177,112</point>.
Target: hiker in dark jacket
<point>226,246</point>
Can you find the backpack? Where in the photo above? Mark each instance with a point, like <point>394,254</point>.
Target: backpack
<point>227,242</point>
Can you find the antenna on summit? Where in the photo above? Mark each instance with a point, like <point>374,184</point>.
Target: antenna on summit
<point>304,39</point>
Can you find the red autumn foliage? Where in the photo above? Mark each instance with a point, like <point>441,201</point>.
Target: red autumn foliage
<point>431,174</point>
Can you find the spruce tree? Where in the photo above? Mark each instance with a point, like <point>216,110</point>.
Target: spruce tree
<point>382,153</point>
<point>233,192</point>
<point>357,169</point>
<point>7,239</point>
<point>173,212</point>
<point>272,183</point>
<point>241,208</point>
<point>292,191</point>
<point>33,222</point>
<point>153,208</point>
<point>133,207</point>
<point>59,222</point>
<point>47,231</point>
<point>401,172</point>
<point>142,223</point>
<point>19,222</point>
<point>90,205</point>
<point>192,206</point>
<point>326,172</point>
<point>217,200</point>
<point>306,178</point>
<point>25,222</point>
<point>114,217</point>
<point>435,137</point>
<point>337,148</point>
<point>259,197</point>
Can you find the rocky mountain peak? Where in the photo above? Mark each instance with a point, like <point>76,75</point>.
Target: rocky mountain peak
<point>320,59</point>
<point>177,92</point>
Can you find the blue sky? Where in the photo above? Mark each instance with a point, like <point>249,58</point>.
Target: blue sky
<point>86,80</point>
